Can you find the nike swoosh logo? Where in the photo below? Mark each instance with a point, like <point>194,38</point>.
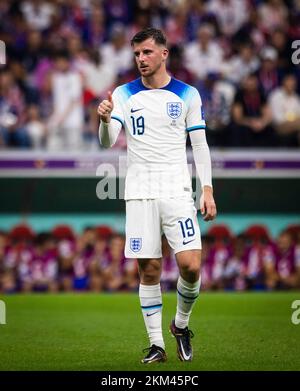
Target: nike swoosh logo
<point>186,357</point>
<point>153,313</point>
<point>189,241</point>
<point>153,357</point>
<point>133,111</point>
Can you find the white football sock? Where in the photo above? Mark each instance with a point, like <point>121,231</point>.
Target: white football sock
<point>151,303</point>
<point>187,294</point>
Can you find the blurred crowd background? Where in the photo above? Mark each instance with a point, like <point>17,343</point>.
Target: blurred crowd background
<point>64,55</point>
<point>62,260</point>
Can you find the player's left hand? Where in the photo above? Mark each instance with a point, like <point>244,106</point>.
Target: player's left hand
<point>207,204</point>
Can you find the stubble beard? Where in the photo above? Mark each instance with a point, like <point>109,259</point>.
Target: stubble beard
<point>151,73</point>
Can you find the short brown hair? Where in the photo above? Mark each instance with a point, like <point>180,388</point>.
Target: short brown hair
<point>150,32</point>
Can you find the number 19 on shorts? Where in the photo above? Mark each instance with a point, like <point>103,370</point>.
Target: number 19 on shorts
<point>187,228</point>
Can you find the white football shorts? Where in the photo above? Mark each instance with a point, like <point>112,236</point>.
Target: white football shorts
<point>147,220</point>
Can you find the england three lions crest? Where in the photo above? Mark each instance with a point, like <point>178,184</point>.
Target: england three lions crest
<point>135,244</point>
<point>174,109</point>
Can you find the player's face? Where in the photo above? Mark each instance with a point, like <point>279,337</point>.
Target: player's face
<point>150,57</point>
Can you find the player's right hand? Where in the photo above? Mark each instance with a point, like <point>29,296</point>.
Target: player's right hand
<point>207,204</point>
<point>105,108</point>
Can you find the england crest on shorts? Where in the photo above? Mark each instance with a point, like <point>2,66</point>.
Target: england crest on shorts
<point>174,109</point>
<point>135,244</point>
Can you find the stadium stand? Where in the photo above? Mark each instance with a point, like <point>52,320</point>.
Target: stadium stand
<point>238,53</point>
<point>93,260</point>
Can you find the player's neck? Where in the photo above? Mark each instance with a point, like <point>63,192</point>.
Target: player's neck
<point>156,81</point>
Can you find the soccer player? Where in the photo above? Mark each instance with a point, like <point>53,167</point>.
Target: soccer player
<point>157,112</point>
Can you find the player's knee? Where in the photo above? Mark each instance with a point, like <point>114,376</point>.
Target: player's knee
<point>150,273</point>
<point>191,270</point>
<point>149,277</point>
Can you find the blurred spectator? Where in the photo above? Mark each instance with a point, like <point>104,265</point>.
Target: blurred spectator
<point>217,96</point>
<point>39,270</point>
<point>8,282</point>
<point>83,258</point>
<point>66,249</point>
<point>116,53</point>
<point>45,97</point>
<point>260,260</point>
<point>117,11</point>
<point>38,13</point>
<point>113,276</point>
<point>93,31</point>
<point>33,51</point>
<point>97,264</point>
<point>66,123</point>
<point>243,64</point>
<point>285,107</point>
<point>98,76</point>
<point>176,66</point>
<point>251,117</point>
<point>175,28</point>
<point>12,112</point>
<point>279,40</point>
<point>24,81</point>
<point>287,265</point>
<point>273,14</point>
<point>218,255</point>
<point>141,20</point>
<point>233,272</point>
<point>131,275</point>
<point>35,127</point>
<point>203,55</point>
<point>18,249</point>
<point>250,32</point>
<point>157,11</point>
<point>196,15</point>
<point>119,272</point>
<point>268,74</point>
<point>231,14</point>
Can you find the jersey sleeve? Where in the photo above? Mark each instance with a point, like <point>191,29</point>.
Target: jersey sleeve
<point>195,115</point>
<point>118,112</point>
<point>109,132</point>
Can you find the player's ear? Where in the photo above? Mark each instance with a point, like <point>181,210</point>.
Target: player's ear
<point>165,53</point>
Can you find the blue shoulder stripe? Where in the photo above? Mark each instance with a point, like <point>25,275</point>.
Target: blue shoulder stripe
<point>195,128</point>
<point>178,87</point>
<point>182,90</point>
<point>132,88</point>
<point>117,119</point>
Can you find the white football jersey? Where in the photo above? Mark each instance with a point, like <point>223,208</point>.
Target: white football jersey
<point>156,123</point>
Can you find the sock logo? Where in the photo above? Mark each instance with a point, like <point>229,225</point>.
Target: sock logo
<point>153,313</point>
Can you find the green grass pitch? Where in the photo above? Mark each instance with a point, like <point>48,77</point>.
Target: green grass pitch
<point>233,331</point>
